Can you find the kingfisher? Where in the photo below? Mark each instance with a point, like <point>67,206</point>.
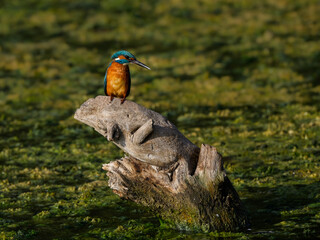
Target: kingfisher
<point>117,80</point>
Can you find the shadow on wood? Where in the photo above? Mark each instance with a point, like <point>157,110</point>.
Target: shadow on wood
<point>186,185</point>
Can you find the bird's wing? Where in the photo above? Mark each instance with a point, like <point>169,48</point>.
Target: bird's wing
<point>105,80</point>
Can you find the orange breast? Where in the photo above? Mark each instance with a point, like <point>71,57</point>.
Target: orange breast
<point>118,80</point>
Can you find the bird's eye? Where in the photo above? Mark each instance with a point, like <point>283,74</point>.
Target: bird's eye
<point>127,57</point>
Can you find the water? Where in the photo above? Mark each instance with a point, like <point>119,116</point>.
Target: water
<point>241,76</point>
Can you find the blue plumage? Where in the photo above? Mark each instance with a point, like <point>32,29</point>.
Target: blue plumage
<point>105,80</point>
<point>122,61</point>
<point>124,53</point>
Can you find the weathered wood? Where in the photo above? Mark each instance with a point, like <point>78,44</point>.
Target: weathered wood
<point>160,144</point>
<point>164,170</point>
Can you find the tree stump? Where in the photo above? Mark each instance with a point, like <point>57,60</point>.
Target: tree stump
<point>186,185</point>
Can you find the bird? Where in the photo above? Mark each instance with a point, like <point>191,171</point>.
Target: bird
<point>117,80</point>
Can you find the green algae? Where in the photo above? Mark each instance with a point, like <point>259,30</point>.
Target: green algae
<point>242,76</point>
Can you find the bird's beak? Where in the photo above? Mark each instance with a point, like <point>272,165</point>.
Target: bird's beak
<point>140,64</point>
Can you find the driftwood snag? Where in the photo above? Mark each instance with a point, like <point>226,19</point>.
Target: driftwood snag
<point>185,185</point>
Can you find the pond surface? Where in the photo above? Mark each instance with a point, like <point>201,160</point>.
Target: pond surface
<point>242,76</point>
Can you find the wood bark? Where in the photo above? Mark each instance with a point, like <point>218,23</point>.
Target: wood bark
<point>186,185</point>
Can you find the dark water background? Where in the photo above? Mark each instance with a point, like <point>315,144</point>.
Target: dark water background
<point>243,76</point>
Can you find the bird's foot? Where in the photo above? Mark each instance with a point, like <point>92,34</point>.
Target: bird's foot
<point>123,99</point>
<point>111,98</point>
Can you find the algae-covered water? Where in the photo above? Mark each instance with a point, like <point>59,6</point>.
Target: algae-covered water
<point>243,76</point>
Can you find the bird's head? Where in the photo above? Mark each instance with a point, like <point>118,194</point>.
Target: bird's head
<point>124,57</point>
